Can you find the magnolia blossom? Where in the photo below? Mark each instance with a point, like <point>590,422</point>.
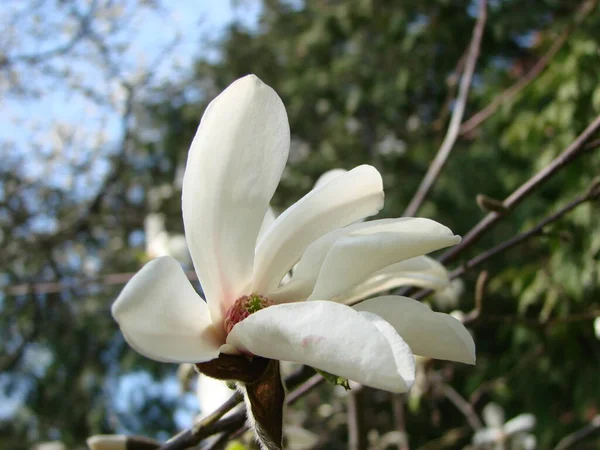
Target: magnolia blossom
<point>233,167</point>
<point>511,435</point>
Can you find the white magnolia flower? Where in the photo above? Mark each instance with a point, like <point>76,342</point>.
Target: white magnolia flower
<point>234,164</point>
<point>511,435</point>
<point>597,327</point>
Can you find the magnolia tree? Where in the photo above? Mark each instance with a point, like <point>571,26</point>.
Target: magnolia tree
<point>243,280</point>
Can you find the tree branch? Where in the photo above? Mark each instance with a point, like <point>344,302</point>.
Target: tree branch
<point>592,193</point>
<point>214,424</point>
<point>357,439</point>
<point>478,118</point>
<point>579,435</point>
<point>574,150</point>
<point>455,120</point>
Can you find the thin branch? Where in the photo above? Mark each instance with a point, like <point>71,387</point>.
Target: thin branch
<point>398,407</point>
<point>592,193</point>
<point>462,405</point>
<point>214,424</point>
<point>457,115</point>
<point>193,436</point>
<point>310,384</point>
<point>574,150</point>
<point>448,440</point>
<point>357,436</point>
<point>579,435</point>
<point>478,118</point>
<point>537,230</point>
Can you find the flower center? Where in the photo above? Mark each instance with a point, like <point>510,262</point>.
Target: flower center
<point>243,307</point>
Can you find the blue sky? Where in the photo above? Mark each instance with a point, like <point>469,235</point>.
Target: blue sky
<point>38,125</point>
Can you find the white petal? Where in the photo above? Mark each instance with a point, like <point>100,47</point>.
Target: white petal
<point>163,318</point>
<point>377,245</point>
<point>308,268</point>
<point>331,337</point>
<point>523,422</point>
<point>422,271</point>
<point>428,333</point>
<point>487,436</point>
<point>268,220</point>
<point>341,201</point>
<point>233,167</point>
<point>493,415</point>
<point>328,176</point>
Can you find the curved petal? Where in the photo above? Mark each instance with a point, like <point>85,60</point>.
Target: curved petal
<point>233,167</point>
<point>328,176</point>
<point>422,271</point>
<point>487,436</point>
<point>428,333</point>
<point>341,201</point>
<point>493,415</point>
<point>519,424</point>
<point>331,337</point>
<point>357,256</point>
<point>163,318</point>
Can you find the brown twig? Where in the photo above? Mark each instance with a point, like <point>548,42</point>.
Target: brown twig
<point>448,440</point>
<point>215,424</point>
<point>478,118</point>
<point>571,439</point>
<point>525,190</point>
<point>357,436</point>
<point>455,120</point>
<point>462,405</point>
<point>398,406</point>
<point>537,230</point>
<point>592,193</point>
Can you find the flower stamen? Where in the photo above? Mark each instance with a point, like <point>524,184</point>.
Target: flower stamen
<point>243,307</point>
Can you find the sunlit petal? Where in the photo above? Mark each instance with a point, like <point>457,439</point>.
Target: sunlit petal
<point>341,201</point>
<point>331,337</point>
<point>233,167</point>
<point>328,176</point>
<point>163,318</point>
<point>421,271</point>
<point>428,333</point>
<point>359,255</point>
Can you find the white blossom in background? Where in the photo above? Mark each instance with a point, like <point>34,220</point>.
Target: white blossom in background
<point>390,145</point>
<point>233,168</point>
<point>159,242</point>
<point>107,442</point>
<point>500,435</point>
<point>298,438</point>
<point>448,298</point>
<point>597,327</point>
<point>52,445</point>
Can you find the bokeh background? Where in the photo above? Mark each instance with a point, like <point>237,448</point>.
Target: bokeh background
<point>100,101</point>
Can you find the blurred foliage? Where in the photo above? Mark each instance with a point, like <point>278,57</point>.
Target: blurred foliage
<point>364,82</point>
